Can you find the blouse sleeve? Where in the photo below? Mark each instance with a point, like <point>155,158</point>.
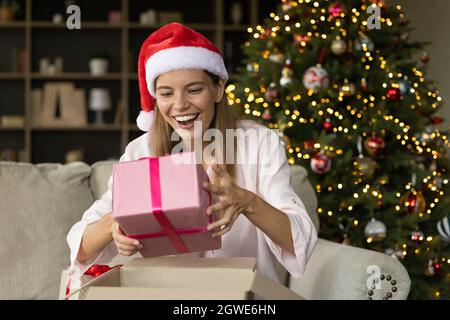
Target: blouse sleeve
<point>100,208</point>
<point>275,188</point>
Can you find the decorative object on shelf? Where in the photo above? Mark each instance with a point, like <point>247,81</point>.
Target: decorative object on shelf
<point>115,17</point>
<point>76,155</point>
<point>99,64</point>
<point>18,60</point>
<point>51,68</point>
<point>8,155</point>
<point>148,18</point>
<point>236,13</point>
<point>57,18</point>
<point>99,101</point>
<point>375,230</point>
<point>70,100</point>
<point>165,17</point>
<point>12,121</point>
<point>8,10</point>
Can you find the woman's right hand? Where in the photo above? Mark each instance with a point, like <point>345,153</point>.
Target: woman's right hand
<point>126,246</point>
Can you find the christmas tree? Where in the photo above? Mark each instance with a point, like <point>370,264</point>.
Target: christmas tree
<point>346,88</point>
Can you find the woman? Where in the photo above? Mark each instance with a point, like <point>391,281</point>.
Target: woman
<point>182,80</point>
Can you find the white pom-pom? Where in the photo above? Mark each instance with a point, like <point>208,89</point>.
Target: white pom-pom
<point>145,120</point>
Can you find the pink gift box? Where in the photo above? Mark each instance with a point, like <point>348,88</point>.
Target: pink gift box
<point>162,203</point>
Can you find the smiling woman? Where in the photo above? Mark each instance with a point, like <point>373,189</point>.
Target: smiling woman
<point>182,79</point>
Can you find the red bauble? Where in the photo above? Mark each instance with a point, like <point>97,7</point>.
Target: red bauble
<point>437,120</point>
<point>374,146</point>
<point>424,58</point>
<point>320,163</point>
<point>393,94</point>
<point>327,125</point>
<point>336,9</point>
<point>413,202</point>
<point>266,115</point>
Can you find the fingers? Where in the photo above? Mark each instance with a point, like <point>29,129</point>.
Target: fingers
<point>208,186</point>
<point>226,228</point>
<point>125,245</point>
<point>218,206</point>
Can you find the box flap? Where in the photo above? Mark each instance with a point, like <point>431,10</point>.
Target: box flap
<point>269,289</point>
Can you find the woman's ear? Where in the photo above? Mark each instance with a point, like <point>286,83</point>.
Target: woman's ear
<point>220,90</point>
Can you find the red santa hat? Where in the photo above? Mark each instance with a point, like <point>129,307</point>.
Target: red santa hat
<point>173,47</point>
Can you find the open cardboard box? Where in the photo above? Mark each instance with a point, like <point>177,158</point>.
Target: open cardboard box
<point>178,278</point>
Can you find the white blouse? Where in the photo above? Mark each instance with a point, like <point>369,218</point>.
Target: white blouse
<point>261,168</point>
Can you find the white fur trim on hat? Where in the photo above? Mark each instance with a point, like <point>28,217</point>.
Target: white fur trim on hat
<point>145,120</point>
<point>183,57</point>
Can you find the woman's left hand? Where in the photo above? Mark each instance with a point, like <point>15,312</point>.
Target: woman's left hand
<point>232,200</point>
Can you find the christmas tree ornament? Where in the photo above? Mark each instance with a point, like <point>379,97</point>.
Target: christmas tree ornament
<point>309,147</point>
<point>286,73</point>
<point>366,166</point>
<point>443,227</point>
<point>393,94</point>
<point>301,40</point>
<point>436,120</point>
<point>320,163</point>
<point>413,201</point>
<point>286,5</point>
<point>364,85</point>
<point>327,126</point>
<point>374,145</point>
<point>266,115</point>
<point>437,265</point>
<point>336,9</point>
<point>404,87</point>
<point>316,78</point>
<point>375,230</point>
<point>271,93</point>
<point>348,89</point>
<point>430,271</point>
<point>417,236</point>
<point>364,43</point>
<point>338,46</point>
<point>277,57</point>
<point>424,58</point>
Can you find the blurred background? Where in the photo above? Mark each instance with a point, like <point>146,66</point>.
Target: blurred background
<point>44,66</point>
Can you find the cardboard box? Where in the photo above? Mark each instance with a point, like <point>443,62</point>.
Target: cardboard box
<point>178,277</point>
<point>162,203</point>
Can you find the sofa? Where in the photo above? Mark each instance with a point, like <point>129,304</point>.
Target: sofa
<point>39,204</point>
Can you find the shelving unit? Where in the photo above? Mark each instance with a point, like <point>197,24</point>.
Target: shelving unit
<point>39,36</point>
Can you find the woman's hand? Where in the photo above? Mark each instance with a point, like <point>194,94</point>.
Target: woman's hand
<point>232,200</point>
<point>126,246</point>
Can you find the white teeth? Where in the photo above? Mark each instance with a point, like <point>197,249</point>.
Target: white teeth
<point>186,118</point>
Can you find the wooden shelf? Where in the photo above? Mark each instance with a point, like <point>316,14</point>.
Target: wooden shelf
<point>11,76</point>
<point>76,76</point>
<point>196,26</point>
<point>13,24</point>
<point>90,127</point>
<point>12,128</point>
<point>84,25</point>
<point>232,27</point>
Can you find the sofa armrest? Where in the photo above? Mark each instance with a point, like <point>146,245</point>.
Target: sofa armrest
<point>337,271</point>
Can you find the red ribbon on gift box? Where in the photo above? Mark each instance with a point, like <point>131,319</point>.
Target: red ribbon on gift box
<point>166,225</point>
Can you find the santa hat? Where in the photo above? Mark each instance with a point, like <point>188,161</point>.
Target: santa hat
<point>173,47</point>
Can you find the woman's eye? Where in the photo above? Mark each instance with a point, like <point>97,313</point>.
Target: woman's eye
<point>198,90</point>
<point>166,94</point>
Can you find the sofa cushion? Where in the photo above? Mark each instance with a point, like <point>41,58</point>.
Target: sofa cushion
<point>38,206</point>
<point>101,172</point>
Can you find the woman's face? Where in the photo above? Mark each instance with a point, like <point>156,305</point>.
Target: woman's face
<point>185,96</point>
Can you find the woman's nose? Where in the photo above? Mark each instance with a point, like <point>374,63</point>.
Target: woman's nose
<point>180,102</point>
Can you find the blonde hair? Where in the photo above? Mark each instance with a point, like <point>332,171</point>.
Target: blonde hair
<point>224,118</point>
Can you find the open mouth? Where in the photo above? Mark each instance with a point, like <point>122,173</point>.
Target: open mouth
<point>187,119</point>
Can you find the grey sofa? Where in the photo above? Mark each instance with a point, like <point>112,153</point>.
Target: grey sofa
<point>39,204</point>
